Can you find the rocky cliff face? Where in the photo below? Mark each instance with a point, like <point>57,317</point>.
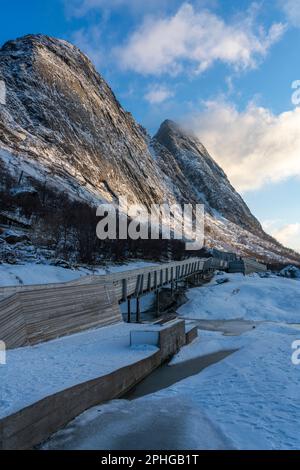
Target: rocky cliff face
<point>62,115</point>
<point>62,130</point>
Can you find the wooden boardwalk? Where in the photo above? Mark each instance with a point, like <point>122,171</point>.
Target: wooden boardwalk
<point>36,313</point>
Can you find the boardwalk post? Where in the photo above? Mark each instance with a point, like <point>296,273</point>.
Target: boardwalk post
<point>157,302</point>
<point>124,289</point>
<point>155,280</point>
<point>138,310</point>
<point>128,310</point>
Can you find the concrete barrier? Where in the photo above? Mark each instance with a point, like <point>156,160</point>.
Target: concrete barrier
<point>191,335</point>
<point>35,423</point>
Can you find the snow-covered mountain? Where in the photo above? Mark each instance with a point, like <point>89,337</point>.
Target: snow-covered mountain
<point>205,180</point>
<point>63,117</point>
<point>63,132</point>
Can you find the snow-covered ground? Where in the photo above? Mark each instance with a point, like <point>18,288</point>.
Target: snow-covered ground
<point>249,400</point>
<point>31,273</point>
<point>248,297</point>
<point>254,394</point>
<point>34,372</point>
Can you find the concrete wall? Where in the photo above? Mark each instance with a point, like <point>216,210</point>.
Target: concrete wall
<point>144,337</point>
<point>253,266</point>
<point>171,339</point>
<point>34,424</point>
<point>191,335</point>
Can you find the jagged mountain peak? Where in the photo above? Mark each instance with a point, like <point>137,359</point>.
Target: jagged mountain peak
<point>172,129</point>
<point>171,133</point>
<point>170,126</point>
<point>204,177</point>
<point>31,43</point>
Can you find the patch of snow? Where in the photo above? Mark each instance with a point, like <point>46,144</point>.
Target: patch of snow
<point>31,273</point>
<point>208,342</point>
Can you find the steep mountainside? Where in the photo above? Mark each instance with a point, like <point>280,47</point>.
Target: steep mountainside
<point>206,180</point>
<point>64,134</point>
<point>63,115</point>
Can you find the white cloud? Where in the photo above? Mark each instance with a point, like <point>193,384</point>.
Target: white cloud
<point>89,41</point>
<point>291,8</point>
<point>289,235</point>
<point>80,8</point>
<point>254,146</point>
<point>166,45</point>
<point>157,94</point>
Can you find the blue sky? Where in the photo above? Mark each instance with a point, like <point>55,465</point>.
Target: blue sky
<point>224,68</point>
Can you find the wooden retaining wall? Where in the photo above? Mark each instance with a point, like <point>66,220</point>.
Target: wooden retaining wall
<point>40,314</point>
<point>246,266</point>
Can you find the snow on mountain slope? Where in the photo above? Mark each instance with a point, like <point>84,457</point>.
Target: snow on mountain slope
<point>63,130</point>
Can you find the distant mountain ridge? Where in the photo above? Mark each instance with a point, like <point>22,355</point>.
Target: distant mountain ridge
<point>63,129</point>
